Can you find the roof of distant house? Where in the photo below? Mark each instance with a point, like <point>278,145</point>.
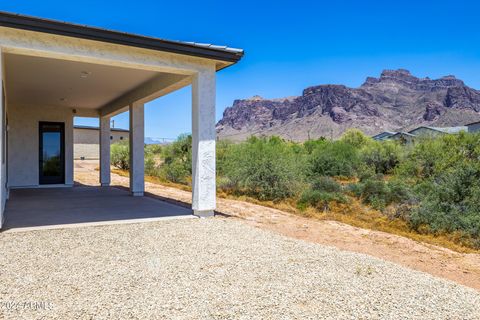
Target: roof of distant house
<point>471,124</point>
<point>444,129</point>
<point>385,132</point>
<point>97,128</point>
<point>403,134</point>
<point>204,50</point>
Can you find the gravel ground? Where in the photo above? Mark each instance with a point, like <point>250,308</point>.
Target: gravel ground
<point>210,268</point>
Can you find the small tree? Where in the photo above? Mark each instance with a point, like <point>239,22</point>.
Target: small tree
<point>355,138</point>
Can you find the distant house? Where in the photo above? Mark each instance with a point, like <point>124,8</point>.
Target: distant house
<point>473,127</point>
<point>425,132</point>
<point>383,136</point>
<point>436,131</point>
<point>86,141</point>
<point>403,137</point>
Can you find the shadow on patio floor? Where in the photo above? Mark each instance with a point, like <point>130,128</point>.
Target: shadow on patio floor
<point>82,204</point>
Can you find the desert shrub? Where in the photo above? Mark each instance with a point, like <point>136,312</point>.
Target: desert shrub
<point>333,159</point>
<point>265,168</point>
<point>119,155</point>
<point>424,160</point>
<point>326,184</point>
<point>154,149</point>
<point>382,157</point>
<point>222,149</point>
<point>451,202</point>
<point>177,160</point>
<point>322,191</point>
<point>310,145</point>
<point>319,199</point>
<point>379,193</point>
<point>150,165</point>
<point>356,138</point>
<point>152,159</point>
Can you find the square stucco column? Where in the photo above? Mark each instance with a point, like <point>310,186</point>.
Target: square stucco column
<point>3,161</point>
<point>104,151</point>
<point>203,143</point>
<point>136,140</point>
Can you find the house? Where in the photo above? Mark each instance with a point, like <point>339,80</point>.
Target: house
<point>383,136</point>
<point>473,127</point>
<point>436,131</point>
<point>86,141</point>
<point>52,71</point>
<point>403,137</point>
<point>423,131</point>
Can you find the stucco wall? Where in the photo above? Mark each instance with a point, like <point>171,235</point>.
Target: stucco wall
<point>86,142</point>
<point>23,142</point>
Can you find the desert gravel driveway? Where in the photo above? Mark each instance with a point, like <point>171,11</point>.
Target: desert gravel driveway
<point>209,268</point>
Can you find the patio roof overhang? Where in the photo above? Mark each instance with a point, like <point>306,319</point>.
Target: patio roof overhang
<point>58,63</point>
<point>209,51</point>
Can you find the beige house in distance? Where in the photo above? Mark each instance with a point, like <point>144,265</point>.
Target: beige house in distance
<point>86,141</point>
<point>53,71</point>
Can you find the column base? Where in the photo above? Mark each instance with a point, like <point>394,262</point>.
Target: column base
<point>137,193</point>
<point>105,184</point>
<point>204,213</point>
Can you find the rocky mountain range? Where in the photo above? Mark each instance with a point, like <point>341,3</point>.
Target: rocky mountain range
<point>396,101</point>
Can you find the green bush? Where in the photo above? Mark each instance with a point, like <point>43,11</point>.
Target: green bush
<point>383,157</point>
<point>177,160</point>
<point>319,199</point>
<point>153,155</point>
<point>265,168</point>
<point>311,145</point>
<point>333,159</point>
<point>451,202</point>
<point>326,184</point>
<point>119,155</point>
<point>379,193</point>
<point>355,138</point>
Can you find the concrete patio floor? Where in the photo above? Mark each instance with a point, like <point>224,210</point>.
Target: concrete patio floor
<point>60,207</point>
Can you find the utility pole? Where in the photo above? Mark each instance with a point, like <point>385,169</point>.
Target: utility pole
<point>113,124</point>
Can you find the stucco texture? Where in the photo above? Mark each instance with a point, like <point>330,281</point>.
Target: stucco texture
<point>23,142</point>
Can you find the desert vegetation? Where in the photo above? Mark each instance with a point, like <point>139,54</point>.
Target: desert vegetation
<point>430,187</point>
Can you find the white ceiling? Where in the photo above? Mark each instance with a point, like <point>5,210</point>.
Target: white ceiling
<point>53,82</point>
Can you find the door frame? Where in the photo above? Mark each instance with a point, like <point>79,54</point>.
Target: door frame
<point>50,180</point>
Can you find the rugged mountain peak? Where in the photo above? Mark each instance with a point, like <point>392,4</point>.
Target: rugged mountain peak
<point>256,98</point>
<point>399,73</point>
<point>405,78</point>
<point>324,88</point>
<point>397,100</point>
<point>398,76</point>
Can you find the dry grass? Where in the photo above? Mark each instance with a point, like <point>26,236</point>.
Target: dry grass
<point>353,213</point>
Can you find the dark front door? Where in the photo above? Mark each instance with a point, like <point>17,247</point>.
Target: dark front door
<point>52,153</point>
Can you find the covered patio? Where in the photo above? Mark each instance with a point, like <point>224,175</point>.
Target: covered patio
<point>85,205</point>
<point>54,71</point>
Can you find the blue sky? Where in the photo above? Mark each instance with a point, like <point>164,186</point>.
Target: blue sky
<point>289,45</point>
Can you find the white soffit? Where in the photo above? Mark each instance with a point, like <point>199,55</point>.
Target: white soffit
<point>53,82</point>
